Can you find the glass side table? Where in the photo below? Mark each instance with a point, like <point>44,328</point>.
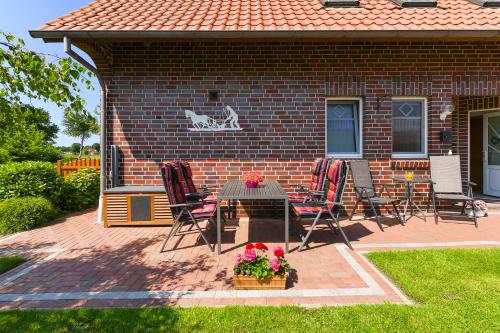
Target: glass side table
<point>408,202</point>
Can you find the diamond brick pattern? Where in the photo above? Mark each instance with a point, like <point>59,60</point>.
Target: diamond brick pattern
<point>272,15</point>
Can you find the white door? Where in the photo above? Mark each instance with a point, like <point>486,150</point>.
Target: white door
<point>491,151</point>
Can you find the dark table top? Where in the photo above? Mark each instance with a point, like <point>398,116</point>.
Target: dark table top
<point>415,180</point>
<point>268,189</point>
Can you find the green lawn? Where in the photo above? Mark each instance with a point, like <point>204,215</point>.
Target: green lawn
<point>7,263</point>
<point>457,291</point>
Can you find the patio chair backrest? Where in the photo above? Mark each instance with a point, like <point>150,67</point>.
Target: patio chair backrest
<point>186,177</point>
<point>318,173</point>
<point>446,174</point>
<point>361,176</point>
<point>335,181</point>
<point>175,193</point>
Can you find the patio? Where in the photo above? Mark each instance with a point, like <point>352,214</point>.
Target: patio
<point>78,263</point>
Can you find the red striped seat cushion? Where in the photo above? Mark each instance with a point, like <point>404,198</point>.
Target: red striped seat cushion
<point>296,198</point>
<point>204,212</point>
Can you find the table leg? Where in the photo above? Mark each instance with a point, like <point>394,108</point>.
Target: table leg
<point>287,228</point>
<point>410,197</point>
<point>219,235</point>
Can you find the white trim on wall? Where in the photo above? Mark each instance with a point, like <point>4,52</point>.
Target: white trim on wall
<point>360,107</point>
<point>426,127</point>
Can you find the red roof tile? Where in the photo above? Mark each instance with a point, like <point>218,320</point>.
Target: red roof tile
<point>272,15</point>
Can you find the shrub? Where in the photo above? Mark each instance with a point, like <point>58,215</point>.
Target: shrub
<point>30,179</point>
<point>19,214</point>
<point>81,190</point>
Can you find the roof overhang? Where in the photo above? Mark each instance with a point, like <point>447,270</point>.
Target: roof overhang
<point>58,35</point>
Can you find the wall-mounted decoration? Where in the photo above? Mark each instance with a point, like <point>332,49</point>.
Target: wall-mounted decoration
<point>228,121</point>
<point>446,110</point>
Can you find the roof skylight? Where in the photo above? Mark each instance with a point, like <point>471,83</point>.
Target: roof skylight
<point>340,3</point>
<point>487,3</point>
<point>416,3</point>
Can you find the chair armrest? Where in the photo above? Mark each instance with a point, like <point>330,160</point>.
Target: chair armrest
<point>387,184</point>
<point>205,189</point>
<point>300,188</point>
<point>472,184</point>
<point>318,203</point>
<point>194,194</point>
<point>187,204</point>
<point>363,187</point>
<point>317,193</point>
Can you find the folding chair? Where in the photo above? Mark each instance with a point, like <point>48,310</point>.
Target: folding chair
<point>315,188</point>
<point>446,177</point>
<point>328,207</point>
<point>184,212</point>
<point>183,169</point>
<point>364,189</point>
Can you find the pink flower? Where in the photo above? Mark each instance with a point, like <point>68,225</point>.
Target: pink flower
<point>274,264</point>
<point>279,252</point>
<point>239,259</point>
<point>250,254</point>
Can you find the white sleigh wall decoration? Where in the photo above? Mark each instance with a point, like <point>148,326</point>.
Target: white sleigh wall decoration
<point>203,123</point>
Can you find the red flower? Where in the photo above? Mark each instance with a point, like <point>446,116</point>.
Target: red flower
<point>250,246</point>
<point>252,177</point>
<point>279,252</point>
<point>261,246</point>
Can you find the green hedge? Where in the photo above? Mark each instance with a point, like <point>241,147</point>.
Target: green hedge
<point>20,214</point>
<point>30,179</point>
<point>81,190</point>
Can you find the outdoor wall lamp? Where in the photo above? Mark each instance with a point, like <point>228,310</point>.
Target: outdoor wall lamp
<point>446,110</point>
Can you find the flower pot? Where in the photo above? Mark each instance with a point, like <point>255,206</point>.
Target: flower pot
<point>252,184</point>
<point>248,282</point>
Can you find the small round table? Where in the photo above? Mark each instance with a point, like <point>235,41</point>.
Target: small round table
<point>409,185</point>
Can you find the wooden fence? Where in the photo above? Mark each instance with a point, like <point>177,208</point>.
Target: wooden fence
<point>67,168</point>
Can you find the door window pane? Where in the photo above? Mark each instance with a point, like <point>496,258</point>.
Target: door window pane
<point>408,127</point>
<point>343,127</point>
<point>494,141</point>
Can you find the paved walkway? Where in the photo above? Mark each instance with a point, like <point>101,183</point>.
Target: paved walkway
<point>76,262</point>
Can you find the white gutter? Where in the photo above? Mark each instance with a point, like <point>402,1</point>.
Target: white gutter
<point>93,69</point>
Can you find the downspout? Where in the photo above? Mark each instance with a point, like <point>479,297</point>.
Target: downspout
<point>93,69</point>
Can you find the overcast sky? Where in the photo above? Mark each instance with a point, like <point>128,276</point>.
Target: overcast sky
<point>20,16</point>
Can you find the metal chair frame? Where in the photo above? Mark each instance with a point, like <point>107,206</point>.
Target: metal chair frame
<point>367,194</point>
<point>182,215</point>
<point>326,207</point>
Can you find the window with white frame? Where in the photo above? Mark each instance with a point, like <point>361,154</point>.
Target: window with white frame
<point>409,127</point>
<point>344,127</point>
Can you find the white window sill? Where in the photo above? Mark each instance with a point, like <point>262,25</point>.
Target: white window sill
<point>344,155</point>
<point>409,156</point>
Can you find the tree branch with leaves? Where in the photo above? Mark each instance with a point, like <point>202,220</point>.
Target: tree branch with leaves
<point>27,77</point>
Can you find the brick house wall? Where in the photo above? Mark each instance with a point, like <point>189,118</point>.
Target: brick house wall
<point>279,91</point>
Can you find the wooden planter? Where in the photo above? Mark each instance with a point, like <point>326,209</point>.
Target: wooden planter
<point>248,282</point>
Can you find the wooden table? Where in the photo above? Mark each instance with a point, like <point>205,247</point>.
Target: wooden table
<point>237,190</point>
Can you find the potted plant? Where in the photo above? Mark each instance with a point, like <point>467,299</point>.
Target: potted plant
<point>479,206</point>
<point>252,179</point>
<point>254,270</point>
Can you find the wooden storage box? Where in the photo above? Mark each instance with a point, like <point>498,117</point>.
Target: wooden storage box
<point>136,205</point>
<point>248,282</point>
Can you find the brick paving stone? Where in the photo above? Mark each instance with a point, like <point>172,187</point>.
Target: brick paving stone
<point>126,259</point>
